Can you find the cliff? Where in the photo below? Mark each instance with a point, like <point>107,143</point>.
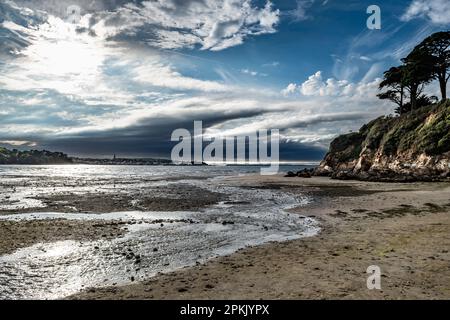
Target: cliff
<point>411,147</point>
<point>32,157</point>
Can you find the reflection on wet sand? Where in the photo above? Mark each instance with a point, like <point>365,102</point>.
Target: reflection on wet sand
<point>205,217</point>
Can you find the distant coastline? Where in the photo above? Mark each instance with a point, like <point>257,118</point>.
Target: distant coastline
<point>44,157</point>
<point>122,161</point>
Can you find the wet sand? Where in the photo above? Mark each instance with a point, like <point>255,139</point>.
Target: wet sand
<point>182,197</point>
<point>402,228</point>
<point>22,234</point>
<point>15,235</point>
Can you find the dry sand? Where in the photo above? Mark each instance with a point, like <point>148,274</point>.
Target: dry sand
<point>402,228</point>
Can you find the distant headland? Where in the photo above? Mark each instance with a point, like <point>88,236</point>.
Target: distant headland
<point>44,157</point>
<point>32,157</point>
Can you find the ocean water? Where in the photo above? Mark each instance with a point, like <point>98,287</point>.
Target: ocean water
<point>252,216</point>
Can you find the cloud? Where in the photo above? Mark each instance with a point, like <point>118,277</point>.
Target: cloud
<point>437,11</point>
<point>166,24</point>
<point>283,123</point>
<point>15,143</point>
<point>149,72</point>
<point>316,86</point>
<point>373,73</point>
<point>210,24</point>
<point>59,8</point>
<point>272,64</point>
<point>290,89</point>
<point>253,73</point>
<point>364,58</point>
<point>300,11</point>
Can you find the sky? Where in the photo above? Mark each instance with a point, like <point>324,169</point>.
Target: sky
<point>123,76</point>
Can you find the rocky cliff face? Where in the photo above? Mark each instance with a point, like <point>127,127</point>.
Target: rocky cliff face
<point>412,147</point>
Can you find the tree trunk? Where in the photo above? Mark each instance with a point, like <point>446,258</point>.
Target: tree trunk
<point>443,85</point>
<point>402,93</point>
<point>414,98</point>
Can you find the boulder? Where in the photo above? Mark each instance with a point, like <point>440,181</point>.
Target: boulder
<point>290,174</point>
<point>305,173</point>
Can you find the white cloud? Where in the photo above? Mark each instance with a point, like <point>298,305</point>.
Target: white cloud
<point>249,72</point>
<point>16,143</point>
<point>300,12</point>
<point>437,11</point>
<point>211,24</point>
<point>273,64</point>
<point>290,89</point>
<point>151,72</point>
<point>373,73</point>
<point>253,73</point>
<point>170,24</point>
<point>364,58</point>
<point>316,86</point>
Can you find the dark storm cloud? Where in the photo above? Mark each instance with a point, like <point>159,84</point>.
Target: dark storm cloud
<point>151,138</point>
<point>152,147</point>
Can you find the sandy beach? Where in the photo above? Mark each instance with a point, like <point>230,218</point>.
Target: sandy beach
<point>402,228</point>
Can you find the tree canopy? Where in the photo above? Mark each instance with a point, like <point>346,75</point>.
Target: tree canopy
<point>428,61</point>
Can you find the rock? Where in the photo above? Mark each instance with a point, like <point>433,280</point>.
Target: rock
<point>290,174</point>
<point>227,222</point>
<point>304,174</point>
<point>445,174</point>
<point>323,171</point>
<point>342,175</point>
